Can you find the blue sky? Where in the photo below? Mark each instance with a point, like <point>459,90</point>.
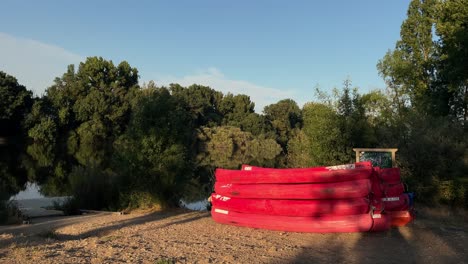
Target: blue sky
<point>269,50</point>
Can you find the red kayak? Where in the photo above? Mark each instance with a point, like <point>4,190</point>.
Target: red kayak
<point>335,190</point>
<point>390,175</point>
<point>376,185</point>
<point>292,207</point>
<point>351,166</point>
<point>321,224</point>
<point>319,175</point>
<point>396,203</point>
<point>392,190</point>
<point>400,218</point>
<point>380,223</point>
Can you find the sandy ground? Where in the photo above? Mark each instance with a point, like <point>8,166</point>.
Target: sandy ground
<point>183,236</point>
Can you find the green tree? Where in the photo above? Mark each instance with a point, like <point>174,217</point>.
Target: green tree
<point>230,147</point>
<point>284,117</point>
<point>427,70</point>
<point>258,125</point>
<point>377,107</point>
<point>336,125</point>
<point>235,108</point>
<point>238,111</point>
<point>15,103</point>
<point>409,69</point>
<point>321,126</point>
<point>98,92</point>
<point>89,107</point>
<point>299,153</point>
<point>452,29</point>
<point>42,122</point>
<point>77,120</point>
<point>354,127</point>
<point>153,158</point>
<point>201,101</point>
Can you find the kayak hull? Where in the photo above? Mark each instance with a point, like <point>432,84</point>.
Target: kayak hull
<point>322,224</point>
<point>390,175</point>
<point>256,175</point>
<point>335,190</point>
<point>392,190</point>
<point>292,207</point>
<point>397,203</point>
<point>400,218</point>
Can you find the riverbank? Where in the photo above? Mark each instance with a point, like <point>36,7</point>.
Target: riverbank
<point>182,236</point>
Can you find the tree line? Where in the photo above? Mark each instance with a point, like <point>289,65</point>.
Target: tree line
<point>100,136</point>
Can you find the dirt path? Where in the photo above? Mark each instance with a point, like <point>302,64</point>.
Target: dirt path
<point>192,237</point>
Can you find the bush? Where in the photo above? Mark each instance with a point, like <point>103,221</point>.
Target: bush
<point>3,212</point>
<point>196,191</point>
<point>70,206</point>
<point>140,200</point>
<point>453,193</point>
<point>9,213</point>
<point>92,188</point>
<point>433,158</point>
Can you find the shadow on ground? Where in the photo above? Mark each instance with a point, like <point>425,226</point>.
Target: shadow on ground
<point>426,240</point>
<point>44,228</point>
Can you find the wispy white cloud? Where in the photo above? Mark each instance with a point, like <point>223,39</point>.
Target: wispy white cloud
<point>33,63</point>
<point>36,64</point>
<point>214,78</point>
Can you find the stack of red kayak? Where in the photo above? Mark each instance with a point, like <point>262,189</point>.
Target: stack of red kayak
<point>344,198</point>
<point>396,203</point>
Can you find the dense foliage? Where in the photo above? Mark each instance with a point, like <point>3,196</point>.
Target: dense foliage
<point>98,135</point>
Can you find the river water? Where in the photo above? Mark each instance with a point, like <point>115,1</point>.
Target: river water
<point>32,203</point>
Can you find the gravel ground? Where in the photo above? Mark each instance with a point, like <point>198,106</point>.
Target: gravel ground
<point>183,236</point>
